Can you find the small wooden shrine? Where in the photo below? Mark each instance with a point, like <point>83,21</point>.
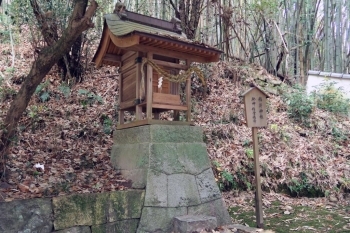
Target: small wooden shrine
<point>153,57</point>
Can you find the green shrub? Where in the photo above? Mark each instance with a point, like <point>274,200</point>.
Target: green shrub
<point>302,187</point>
<point>300,105</point>
<point>330,98</point>
<point>224,179</point>
<point>90,98</point>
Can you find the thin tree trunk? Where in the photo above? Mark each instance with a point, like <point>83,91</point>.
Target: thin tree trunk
<point>47,57</point>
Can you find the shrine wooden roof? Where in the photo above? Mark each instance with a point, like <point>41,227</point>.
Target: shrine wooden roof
<point>132,31</point>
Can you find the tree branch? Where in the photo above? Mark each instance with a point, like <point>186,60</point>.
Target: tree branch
<point>177,13</point>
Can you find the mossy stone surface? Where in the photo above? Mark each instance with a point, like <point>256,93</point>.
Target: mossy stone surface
<point>33,215</point>
<point>80,209</point>
<point>207,187</point>
<point>173,158</point>
<point>130,156</point>
<point>82,229</point>
<point>158,134</point>
<point>125,205</point>
<point>159,220</point>
<point>214,208</point>
<point>182,190</point>
<point>124,226</point>
<point>97,208</point>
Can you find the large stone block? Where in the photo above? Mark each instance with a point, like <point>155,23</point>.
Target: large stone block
<point>194,223</point>
<point>26,216</point>
<point>137,176</point>
<point>215,208</point>
<point>83,229</point>
<point>159,220</point>
<point>172,158</point>
<point>156,189</point>
<point>80,209</point>
<point>182,190</point>
<point>133,135</point>
<point>130,156</point>
<point>158,134</point>
<point>176,134</point>
<point>124,226</point>
<point>97,208</point>
<point>125,205</point>
<point>207,187</point>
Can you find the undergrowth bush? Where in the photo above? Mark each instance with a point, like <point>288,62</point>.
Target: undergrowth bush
<point>224,179</point>
<point>330,98</point>
<point>300,105</point>
<point>302,187</point>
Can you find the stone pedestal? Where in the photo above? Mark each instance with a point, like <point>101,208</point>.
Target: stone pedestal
<point>172,164</point>
<point>194,223</point>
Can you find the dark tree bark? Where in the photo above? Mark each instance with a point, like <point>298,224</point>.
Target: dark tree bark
<point>189,13</point>
<point>69,65</point>
<point>80,21</point>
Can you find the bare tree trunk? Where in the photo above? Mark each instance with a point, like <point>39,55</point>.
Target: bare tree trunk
<point>189,13</point>
<point>338,37</point>
<point>47,57</point>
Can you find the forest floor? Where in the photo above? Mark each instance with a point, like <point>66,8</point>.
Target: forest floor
<point>68,127</point>
<point>283,214</point>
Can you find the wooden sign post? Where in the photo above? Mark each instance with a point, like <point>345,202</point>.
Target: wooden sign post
<point>255,113</point>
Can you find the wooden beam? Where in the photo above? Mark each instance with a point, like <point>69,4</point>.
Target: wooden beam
<point>171,53</point>
<point>127,104</point>
<point>124,42</point>
<point>101,51</point>
<point>112,58</point>
<point>151,122</point>
<point>170,107</point>
<point>170,64</point>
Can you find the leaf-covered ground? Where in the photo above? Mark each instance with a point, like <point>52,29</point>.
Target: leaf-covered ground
<point>284,214</point>
<point>312,160</point>
<point>68,129</point>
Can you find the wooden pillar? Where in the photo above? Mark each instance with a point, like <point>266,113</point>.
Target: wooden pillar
<point>188,94</point>
<point>149,92</point>
<point>121,112</point>
<point>138,111</point>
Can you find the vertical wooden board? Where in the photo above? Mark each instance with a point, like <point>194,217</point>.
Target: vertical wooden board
<point>127,65</point>
<point>174,88</point>
<point>129,91</point>
<point>255,108</point>
<point>149,91</point>
<point>127,55</point>
<point>127,81</point>
<point>188,94</point>
<point>127,72</point>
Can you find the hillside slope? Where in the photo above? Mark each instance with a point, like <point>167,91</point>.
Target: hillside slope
<point>302,160</point>
<point>68,129</point>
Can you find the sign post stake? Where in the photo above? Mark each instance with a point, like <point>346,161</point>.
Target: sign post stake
<point>255,114</point>
<point>258,195</point>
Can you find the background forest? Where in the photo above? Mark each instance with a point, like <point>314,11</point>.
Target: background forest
<point>70,118</point>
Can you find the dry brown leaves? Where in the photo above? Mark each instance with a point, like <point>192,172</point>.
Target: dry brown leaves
<point>286,148</point>
<point>63,135</point>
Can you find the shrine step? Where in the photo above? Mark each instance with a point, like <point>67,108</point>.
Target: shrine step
<point>194,223</point>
